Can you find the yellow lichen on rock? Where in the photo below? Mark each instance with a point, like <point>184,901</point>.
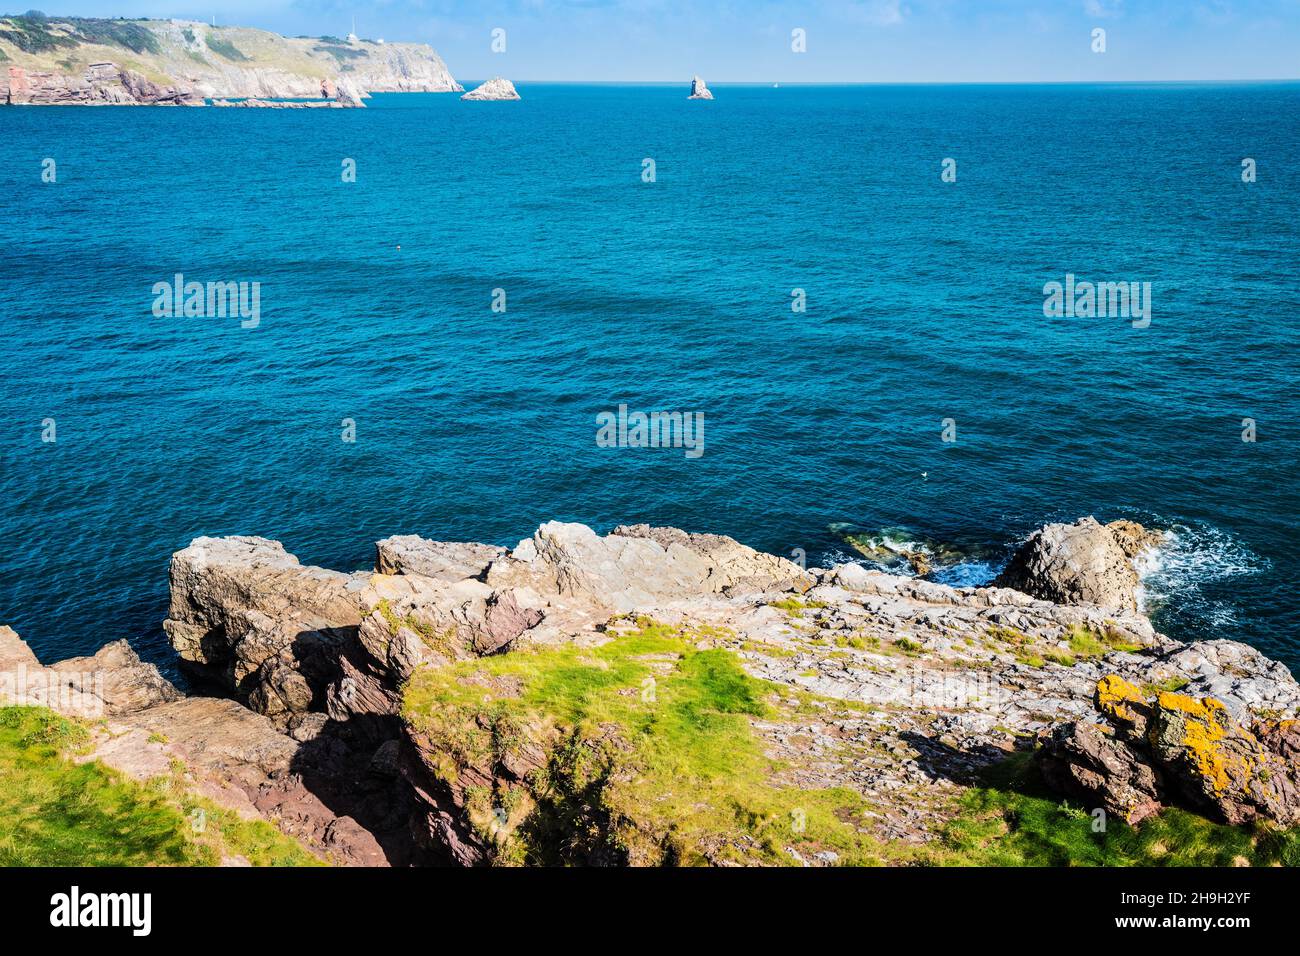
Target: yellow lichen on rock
<point>1200,737</point>
<point>1203,708</point>
<point>1202,726</point>
<point>1114,694</point>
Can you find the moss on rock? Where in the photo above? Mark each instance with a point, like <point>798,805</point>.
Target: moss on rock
<point>639,751</point>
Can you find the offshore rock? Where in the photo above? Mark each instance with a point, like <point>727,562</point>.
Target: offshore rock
<point>1080,563</point>
<point>497,88</point>
<point>699,91</point>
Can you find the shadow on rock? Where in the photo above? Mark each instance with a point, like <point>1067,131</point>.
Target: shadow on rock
<point>942,761</point>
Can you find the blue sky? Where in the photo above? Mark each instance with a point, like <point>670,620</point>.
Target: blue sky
<point>749,40</point>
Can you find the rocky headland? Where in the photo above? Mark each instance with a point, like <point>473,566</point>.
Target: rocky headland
<point>80,61</point>
<point>655,696</point>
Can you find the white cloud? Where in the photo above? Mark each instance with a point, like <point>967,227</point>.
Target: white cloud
<point>879,13</point>
<point>1103,8</point>
<point>885,12</point>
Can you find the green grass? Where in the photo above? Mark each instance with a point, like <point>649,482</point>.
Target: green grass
<point>224,48</point>
<point>444,642</point>
<point>35,34</point>
<point>32,34</point>
<point>54,812</point>
<point>651,755</point>
<point>1015,821</point>
<point>1084,643</point>
<point>123,33</point>
<point>341,53</point>
<point>794,607</point>
<point>1170,686</point>
<point>1087,642</point>
<point>1009,635</point>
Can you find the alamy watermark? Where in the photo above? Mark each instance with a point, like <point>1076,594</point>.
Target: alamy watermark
<point>1086,300</point>
<point>210,300</point>
<point>68,692</point>
<point>624,429</point>
<point>133,911</point>
<point>918,687</point>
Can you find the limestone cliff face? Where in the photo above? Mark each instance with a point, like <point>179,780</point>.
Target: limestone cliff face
<point>150,62</point>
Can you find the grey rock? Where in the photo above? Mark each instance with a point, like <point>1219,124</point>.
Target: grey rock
<point>444,560</point>
<point>1080,563</point>
<point>1085,761</point>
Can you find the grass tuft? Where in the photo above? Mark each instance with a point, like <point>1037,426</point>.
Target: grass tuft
<point>224,48</point>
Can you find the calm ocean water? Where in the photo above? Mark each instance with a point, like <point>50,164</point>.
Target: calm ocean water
<point>925,302</point>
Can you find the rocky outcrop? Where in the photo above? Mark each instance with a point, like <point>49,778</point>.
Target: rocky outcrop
<point>497,88</point>
<point>97,84</point>
<point>639,567</point>
<point>1134,539</point>
<point>1085,761</point>
<point>1081,563</point>
<point>247,615</point>
<point>446,561</point>
<point>1165,747</point>
<point>288,104</point>
<point>917,685</point>
<point>699,91</point>
<point>400,68</point>
<point>166,62</point>
<point>291,640</point>
<point>142,726</point>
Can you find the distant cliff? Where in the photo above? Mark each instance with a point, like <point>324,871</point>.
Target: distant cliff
<point>72,60</point>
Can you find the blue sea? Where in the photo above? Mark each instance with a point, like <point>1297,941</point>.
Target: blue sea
<point>924,302</point>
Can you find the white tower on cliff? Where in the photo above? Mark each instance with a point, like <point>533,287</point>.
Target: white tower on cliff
<point>352,37</point>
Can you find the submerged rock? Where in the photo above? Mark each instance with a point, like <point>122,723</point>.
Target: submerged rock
<point>497,88</point>
<point>699,91</point>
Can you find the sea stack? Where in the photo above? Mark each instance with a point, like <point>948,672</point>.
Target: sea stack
<point>699,91</point>
<point>497,88</point>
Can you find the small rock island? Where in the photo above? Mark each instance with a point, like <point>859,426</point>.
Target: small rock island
<point>698,90</point>
<point>497,88</point>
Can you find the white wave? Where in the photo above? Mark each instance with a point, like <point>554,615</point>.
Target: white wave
<point>1190,557</point>
<point>965,574</point>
